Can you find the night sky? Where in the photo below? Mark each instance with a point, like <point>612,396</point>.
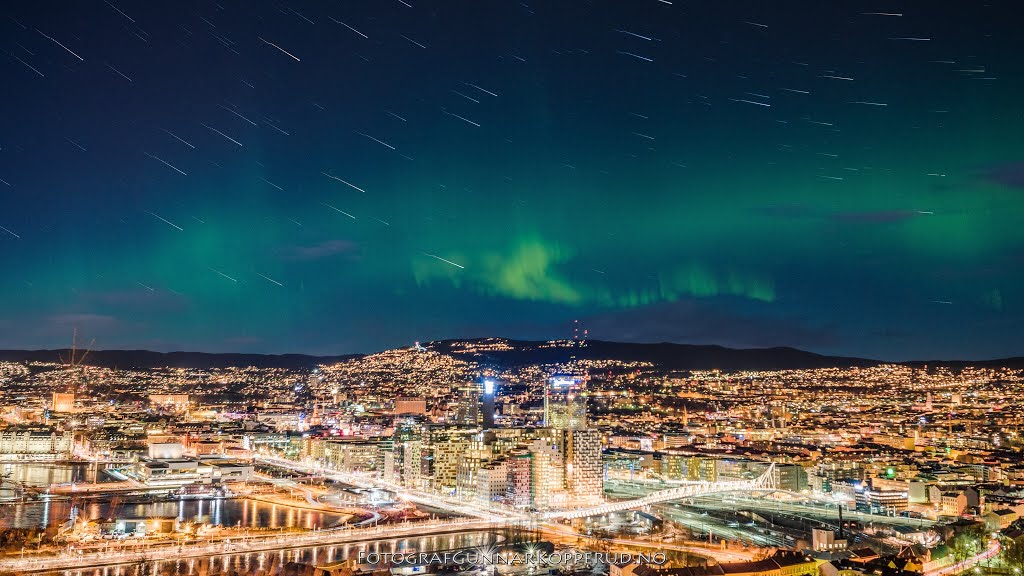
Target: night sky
<point>844,177</point>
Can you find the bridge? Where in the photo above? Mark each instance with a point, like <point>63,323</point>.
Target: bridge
<point>763,483</point>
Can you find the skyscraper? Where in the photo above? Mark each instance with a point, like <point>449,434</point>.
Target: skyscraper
<point>487,404</point>
<point>467,407</point>
<point>584,468</point>
<point>475,404</point>
<point>403,455</point>
<point>565,405</point>
<point>565,413</point>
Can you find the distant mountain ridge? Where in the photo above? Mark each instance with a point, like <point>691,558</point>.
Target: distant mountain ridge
<point>198,360</point>
<point>666,355</point>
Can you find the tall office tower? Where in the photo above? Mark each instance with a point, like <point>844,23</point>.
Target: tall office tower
<point>520,485</point>
<point>403,458</point>
<point>467,470</point>
<point>487,404</point>
<point>467,407</point>
<point>547,478</point>
<point>565,405</point>
<point>584,468</point>
<point>492,481</point>
<point>443,447</point>
<point>475,405</point>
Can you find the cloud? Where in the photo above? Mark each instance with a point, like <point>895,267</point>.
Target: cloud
<point>787,211</point>
<point>697,322</point>
<point>83,320</point>
<point>1011,174</point>
<point>799,211</point>
<point>324,249</point>
<point>139,299</point>
<point>875,217</point>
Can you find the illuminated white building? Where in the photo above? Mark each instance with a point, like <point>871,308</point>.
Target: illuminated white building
<point>34,443</point>
<point>565,404</point>
<point>584,467</point>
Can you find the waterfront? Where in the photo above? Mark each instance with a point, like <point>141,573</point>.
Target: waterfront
<point>229,512</point>
<point>44,474</point>
<point>228,561</point>
<point>216,511</point>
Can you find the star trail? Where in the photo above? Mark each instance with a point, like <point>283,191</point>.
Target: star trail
<point>333,177</point>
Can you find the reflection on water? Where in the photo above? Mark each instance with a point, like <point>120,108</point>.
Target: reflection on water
<point>231,512</point>
<point>269,563</point>
<point>43,474</point>
<point>43,513</point>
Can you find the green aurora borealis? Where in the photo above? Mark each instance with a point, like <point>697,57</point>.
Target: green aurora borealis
<point>652,200</point>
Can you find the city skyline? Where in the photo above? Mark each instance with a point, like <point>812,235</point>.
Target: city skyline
<point>491,288</point>
<point>345,179</point>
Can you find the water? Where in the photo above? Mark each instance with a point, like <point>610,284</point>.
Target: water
<point>268,563</point>
<point>44,474</point>
<point>224,512</point>
<point>232,512</point>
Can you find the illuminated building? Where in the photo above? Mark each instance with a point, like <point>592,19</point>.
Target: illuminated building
<point>34,443</point>
<point>886,501</point>
<point>181,471</point>
<point>520,479</point>
<point>443,447</point>
<point>487,404</point>
<point>475,404</point>
<point>410,405</point>
<point>165,450</point>
<point>565,405</point>
<point>63,401</point>
<point>467,407</point>
<point>953,503</point>
<point>492,482</point>
<point>548,471</point>
<point>349,454</point>
<point>173,402</point>
<point>404,453</point>
<point>824,539</point>
<point>584,470</point>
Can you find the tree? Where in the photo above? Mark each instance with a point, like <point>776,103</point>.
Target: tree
<point>1013,556</point>
<point>968,543</point>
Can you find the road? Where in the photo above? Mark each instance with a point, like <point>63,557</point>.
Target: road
<point>255,543</point>
<point>733,501</point>
<point>989,552</point>
<point>569,536</point>
<point>493,513</point>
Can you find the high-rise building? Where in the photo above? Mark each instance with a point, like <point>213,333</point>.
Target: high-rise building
<point>547,477</point>
<point>467,407</point>
<point>584,468</point>
<point>565,404</point>
<point>403,457</point>
<point>487,404</point>
<point>520,475</point>
<point>475,404</point>
<point>443,447</point>
<point>492,481</point>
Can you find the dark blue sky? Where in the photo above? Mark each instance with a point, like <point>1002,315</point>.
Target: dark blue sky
<point>335,177</point>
